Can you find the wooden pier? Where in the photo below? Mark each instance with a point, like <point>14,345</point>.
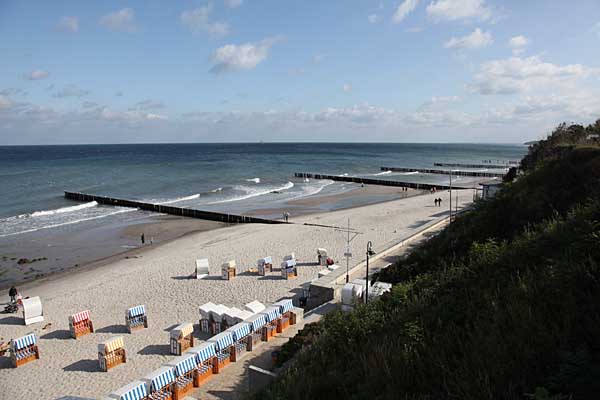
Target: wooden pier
<point>367,181</point>
<point>492,166</point>
<point>182,212</point>
<point>444,172</point>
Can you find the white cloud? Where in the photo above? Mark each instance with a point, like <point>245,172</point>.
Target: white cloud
<point>147,105</point>
<point>373,18</point>
<point>68,24</point>
<point>71,91</point>
<point>232,57</point>
<point>36,75</point>
<point>439,102</point>
<point>453,10</point>
<point>122,20</point>
<point>197,20</point>
<point>155,117</point>
<point>405,8</point>
<point>347,87</point>
<point>233,3</point>
<point>477,39</point>
<point>517,43</point>
<point>517,74</point>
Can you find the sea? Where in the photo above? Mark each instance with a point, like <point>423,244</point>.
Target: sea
<point>233,178</point>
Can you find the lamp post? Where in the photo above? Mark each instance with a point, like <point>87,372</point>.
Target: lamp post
<point>370,252</point>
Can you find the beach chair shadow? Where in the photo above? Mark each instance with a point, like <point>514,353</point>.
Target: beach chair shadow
<point>5,363</point>
<point>61,334</point>
<point>418,223</point>
<point>156,349</point>
<point>307,264</point>
<point>113,329</point>
<point>11,321</point>
<point>83,366</point>
<point>183,277</point>
<point>271,278</point>
<point>73,398</point>
<point>170,328</point>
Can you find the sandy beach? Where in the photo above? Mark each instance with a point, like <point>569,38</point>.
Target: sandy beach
<point>158,277</point>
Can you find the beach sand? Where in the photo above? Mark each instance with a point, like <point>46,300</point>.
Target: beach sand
<point>159,278</point>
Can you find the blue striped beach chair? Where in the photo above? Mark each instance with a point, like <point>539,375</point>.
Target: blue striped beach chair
<point>223,342</point>
<point>136,390</point>
<point>256,322</point>
<point>285,308</point>
<point>24,349</point>
<point>206,355</point>
<point>160,383</point>
<point>272,316</point>
<point>136,318</point>
<point>184,367</point>
<point>241,334</point>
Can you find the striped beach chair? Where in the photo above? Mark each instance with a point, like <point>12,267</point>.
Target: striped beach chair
<point>136,318</point>
<point>80,324</point>
<point>265,265</point>
<point>223,342</point>
<point>111,353</point>
<point>256,322</point>
<point>288,269</point>
<point>136,390</point>
<point>285,308</point>
<point>228,270</point>
<point>160,383</point>
<point>24,349</point>
<point>241,334</point>
<point>272,316</point>
<point>206,355</point>
<point>181,338</point>
<point>184,367</point>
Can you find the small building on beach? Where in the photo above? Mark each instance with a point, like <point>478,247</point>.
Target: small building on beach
<point>490,188</point>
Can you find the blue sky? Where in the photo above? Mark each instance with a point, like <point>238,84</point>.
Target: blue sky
<point>247,70</point>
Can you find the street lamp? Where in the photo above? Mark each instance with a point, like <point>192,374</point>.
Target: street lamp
<point>370,252</point>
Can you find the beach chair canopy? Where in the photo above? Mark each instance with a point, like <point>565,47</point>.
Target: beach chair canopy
<point>24,341</point>
<point>160,378</point>
<point>288,264</point>
<point>218,311</point>
<point>204,351</point>
<point>232,316</point>
<point>136,311</point>
<point>112,344</point>
<point>240,330</point>
<point>222,341</point>
<point>136,390</point>
<point>183,364</point>
<point>255,306</point>
<point>32,310</point>
<point>322,252</point>
<point>265,260</point>
<point>290,256</point>
<point>205,310</point>
<point>228,264</point>
<point>284,305</point>
<point>243,315</point>
<point>80,316</point>
<point>271,313</point>
<point>182,330</point>
<point>256,321</point>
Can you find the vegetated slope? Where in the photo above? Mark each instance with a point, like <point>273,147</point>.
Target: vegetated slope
<point>504,304</point>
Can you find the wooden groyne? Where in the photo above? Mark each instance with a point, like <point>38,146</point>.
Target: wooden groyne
<point>444,172</point>
<point>164,209</point>
<point>492,166</point>
<point>367,181</point>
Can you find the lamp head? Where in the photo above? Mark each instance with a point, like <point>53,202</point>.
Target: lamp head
<point>370,251</point>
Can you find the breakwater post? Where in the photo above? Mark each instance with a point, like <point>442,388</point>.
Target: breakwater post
<point>164,209</point>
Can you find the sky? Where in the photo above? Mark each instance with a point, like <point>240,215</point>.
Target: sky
<point>118,71</point>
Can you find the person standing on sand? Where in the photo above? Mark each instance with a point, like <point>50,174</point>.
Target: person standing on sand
<point>440,202</point>
<point>143,239</point>
<point>12,292</point>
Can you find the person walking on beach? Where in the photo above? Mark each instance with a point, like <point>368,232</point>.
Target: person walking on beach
<point>12,292</point>
<point>143,239</point>
<point>440,202</point>
<point>286,216</point>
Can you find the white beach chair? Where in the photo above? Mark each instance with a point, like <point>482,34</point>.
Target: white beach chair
<point>322,256</point>
<point>32,310</point>
<point>202,268</point>
<point>255,307</point>
<point>205,316</point>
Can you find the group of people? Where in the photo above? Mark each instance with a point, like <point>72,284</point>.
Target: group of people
<point>438,202</point>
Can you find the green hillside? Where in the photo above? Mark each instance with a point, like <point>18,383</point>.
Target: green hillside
<point>503,304</point>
